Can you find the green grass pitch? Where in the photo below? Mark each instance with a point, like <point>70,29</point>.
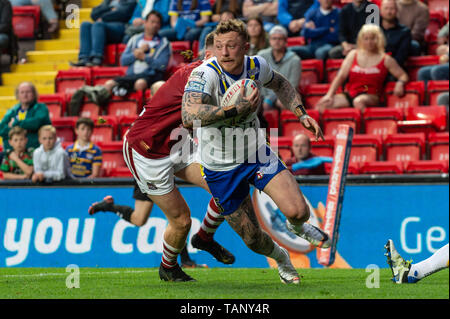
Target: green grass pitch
<point>214,283</point>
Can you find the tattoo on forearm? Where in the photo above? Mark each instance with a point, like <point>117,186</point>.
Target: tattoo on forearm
<point>196,106</point>
<point>285,92</point>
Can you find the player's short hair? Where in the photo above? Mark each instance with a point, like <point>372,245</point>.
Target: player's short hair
<point>17,130</point>
<point>209,40</point>
<point>86,121</point>
<point>49,128</point>
<point>232,25</point>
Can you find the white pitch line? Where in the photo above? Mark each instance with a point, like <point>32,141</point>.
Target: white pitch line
<point>84,273</point>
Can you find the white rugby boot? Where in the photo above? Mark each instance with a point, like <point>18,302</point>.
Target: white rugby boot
<point>311,233</point>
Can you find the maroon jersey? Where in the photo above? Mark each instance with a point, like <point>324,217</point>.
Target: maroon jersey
<point>150,133</point>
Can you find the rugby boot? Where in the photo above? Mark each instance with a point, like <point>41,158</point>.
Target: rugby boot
<point>311,233</point>
<point>175,274</point>
<point>214,248</point>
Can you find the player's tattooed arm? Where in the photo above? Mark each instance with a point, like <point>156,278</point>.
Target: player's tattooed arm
<point>285,92</point>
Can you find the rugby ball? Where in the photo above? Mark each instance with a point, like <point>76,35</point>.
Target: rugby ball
<point>231,95</point>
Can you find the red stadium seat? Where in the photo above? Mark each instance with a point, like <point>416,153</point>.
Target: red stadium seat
<point>323,148</point>
<point>124,123</point>
<point>427,118</point>
<point>439,6</point>
<point>295,41</point>
<point>68,81</point>
<point>312,73</point>
<point>272,117</point>
<point>381,121</point>
<point>102,74</point>
<point>426,167</point>
<point>436,22</point>
<point>413,64</point>
<point>195,48</point>
<point>128,105</point>
<point>365,148</point>
<point>112,155</point>
<point>90,109</point>
<point>282,145</point>
<point>331,118</point>
<point>56,104</point>
<point>383,168</point>
<point>434,88</point>
<point>65,128</point>
<point>414,95</point>
<point>25,21</point>
<point>291,126</point>
<point>118,172</point>
<point>438,144</point>
<point>332,68</point>
<point>405,147</point>
<point>313,93</point>
<point>105,129</point>
<point>110,55</point>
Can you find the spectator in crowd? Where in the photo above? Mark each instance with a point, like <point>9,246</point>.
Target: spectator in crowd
<point>266,9</point>
<point>110,19</point>
<point>224,16</point>
<point>47,9</point>
<point>142,9</point>
<point>147,55</point>
<point>281,60</point>
<point>257,35</point>
<point>5,24</point>
<point>17,164</point>
<point>398,36</point>
<point>435,72</point>
<point>28,114</point>
<point>304,162</point>
<point>320,32</point>
<point>414,14</point>
<point>85,157</point>
<point>292,13</point>
<point>50,161</point>
<point>187,19</point>
<point>351,18</point>
<point>366,69</point>
<point>220,6</point>
<point>442,40</point>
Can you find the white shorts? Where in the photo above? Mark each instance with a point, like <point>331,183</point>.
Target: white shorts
<point>156,176</point>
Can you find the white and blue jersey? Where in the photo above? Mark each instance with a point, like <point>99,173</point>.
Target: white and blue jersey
<point>225,144</point>
<point>233,153</point>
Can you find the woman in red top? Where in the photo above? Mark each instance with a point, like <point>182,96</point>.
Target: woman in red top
<point>366,69</point>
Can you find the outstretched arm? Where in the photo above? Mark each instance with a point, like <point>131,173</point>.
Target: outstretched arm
<point>292,100</point>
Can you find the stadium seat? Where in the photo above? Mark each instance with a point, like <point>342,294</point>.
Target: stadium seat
<point>405,147</point>
<point>291,126</point>
<point>102,74</point>
<point>438,146</point>
<point>332,67</point>
<point>65,128</point>
<point>282,145</point>
<point>414,95</point>
<point>426,167</point>
<point>112,155</point>
<point>105,129</point>
<point>381,121</point>
<point>383,168</point>
<point>26,21</point>
<point>118,172</point>
<point>313,93</point>
<point>90,109</point>
<point>424,119</point>
<point>124,123</point>
<point>331,118</point>
<point>110,55</point>
<point>273,118</point>
<point>56,104</point>
<point>438,6</point>
<point>295,41</point>
<point>434,88</point>
<point>195,48</point>
<point>128,105</point>
<point>323,148</point>
<point>68,81</point>
<point>312,73</point>
<point>436,22</point>
<point>352,168</point>
<point>413,64</point>
<point>365,148</point>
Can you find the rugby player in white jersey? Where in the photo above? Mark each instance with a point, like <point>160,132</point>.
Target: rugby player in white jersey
<point>231,167</point>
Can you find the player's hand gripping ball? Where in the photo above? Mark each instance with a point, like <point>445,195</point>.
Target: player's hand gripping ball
<point>232,95</point>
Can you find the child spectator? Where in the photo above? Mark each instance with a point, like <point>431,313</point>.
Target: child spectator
<point>85,157</point>
<point>50,161</point>
<point>18,164</point>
